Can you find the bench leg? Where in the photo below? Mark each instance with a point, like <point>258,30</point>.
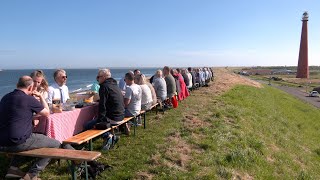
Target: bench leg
<point>90,145</point>
<point>86,168</point>
<point>134,125</point>
<point>144,120</point>
<point>73,170</point>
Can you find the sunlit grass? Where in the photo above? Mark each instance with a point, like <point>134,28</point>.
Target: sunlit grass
<point>262,133</point>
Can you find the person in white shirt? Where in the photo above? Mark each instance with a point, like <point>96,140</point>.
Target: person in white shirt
<point>146,100</point>
<point>190,78</point>
<point>160,85</point>
<point>132,97</point>
<point>59,90</point>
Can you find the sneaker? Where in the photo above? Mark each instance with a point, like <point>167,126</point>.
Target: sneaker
<point>107,142</point>
<point>110,142</point>
<point>139,121</point>
<point>29,176</point>
<point>15,173</point>
<point>126,129</point>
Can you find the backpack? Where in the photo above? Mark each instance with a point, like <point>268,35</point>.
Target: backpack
<point>95,169</point>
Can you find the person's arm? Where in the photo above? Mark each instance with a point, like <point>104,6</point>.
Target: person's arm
<point>102,102</point>
<point>126,102</point>
<point>127,97</point>
<point>50,95</point>
<point>67,91</point>
<point>45,111</point>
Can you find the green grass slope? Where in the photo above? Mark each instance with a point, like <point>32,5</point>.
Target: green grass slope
<point>246,133</point>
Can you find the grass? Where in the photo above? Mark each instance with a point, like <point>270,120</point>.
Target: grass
<point>245,133</point>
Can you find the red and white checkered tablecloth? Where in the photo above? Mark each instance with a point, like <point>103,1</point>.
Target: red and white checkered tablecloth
<point>61,126</point>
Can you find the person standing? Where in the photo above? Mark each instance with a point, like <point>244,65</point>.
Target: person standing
<point>16,112</point>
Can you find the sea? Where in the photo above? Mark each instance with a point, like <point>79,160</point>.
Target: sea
<point>78,79</point>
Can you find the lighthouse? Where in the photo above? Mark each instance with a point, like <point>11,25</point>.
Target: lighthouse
<point>303,68</point>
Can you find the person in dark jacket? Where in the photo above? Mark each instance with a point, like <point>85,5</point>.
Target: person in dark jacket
<point>111,103</point>
<point>111,99</point>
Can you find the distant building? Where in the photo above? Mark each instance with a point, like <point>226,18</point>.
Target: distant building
<point>256,71</point>
<point>283,71</point>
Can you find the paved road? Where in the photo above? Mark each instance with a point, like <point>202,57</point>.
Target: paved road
<point>300,93</point>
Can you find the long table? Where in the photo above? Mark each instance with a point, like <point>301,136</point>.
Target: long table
<point>61,126</point>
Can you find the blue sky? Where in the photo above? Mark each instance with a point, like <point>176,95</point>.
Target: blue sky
<point>153,33</point>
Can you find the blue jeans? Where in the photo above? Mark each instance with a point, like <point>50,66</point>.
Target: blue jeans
<point>90,125</point>
<point>33,142</point>
<point>127,113</point>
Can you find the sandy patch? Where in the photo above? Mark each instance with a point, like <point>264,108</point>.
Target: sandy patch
<point>144,176</point>
<point>192,122</point>
<point>225,80</point>
<point>241,176</point>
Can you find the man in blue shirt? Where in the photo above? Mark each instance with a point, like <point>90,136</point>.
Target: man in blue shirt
<point>16,112</point>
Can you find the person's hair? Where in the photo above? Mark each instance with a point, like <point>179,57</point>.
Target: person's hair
<point>136,71</point>
<point>129,76</point>
<point>140,79</point>
<point>159,73</point>
<point>172,71</point>
<point>189,68</point>
<point>105,72</point>
<point>166,68</point>
<point>55,74</point>
<point>39,73</point>
<point>178,70</point>
<point>24,82</point>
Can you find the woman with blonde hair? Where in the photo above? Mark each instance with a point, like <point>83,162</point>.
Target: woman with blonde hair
<point>40,83</point>
<point>147,94</point>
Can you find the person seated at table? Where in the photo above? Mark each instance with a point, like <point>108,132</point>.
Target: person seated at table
<point>16,112</point>
<point>95,89</point>
<point>59,90</point>
<point>153,92</point>
<point>111,103</point>
<point>132,97</point>
<point>193,77</point>
<point>40,83</point>
<point>160,86</point>
<point>146,97</point>
<point>170,82</point>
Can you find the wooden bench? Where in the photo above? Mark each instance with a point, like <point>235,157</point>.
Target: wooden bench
<point>154,107</point>
<point>86,136</point>
<point>67,154</point>
<point>89,135</point>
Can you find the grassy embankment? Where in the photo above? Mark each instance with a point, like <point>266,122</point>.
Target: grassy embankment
<point>245,133</point>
